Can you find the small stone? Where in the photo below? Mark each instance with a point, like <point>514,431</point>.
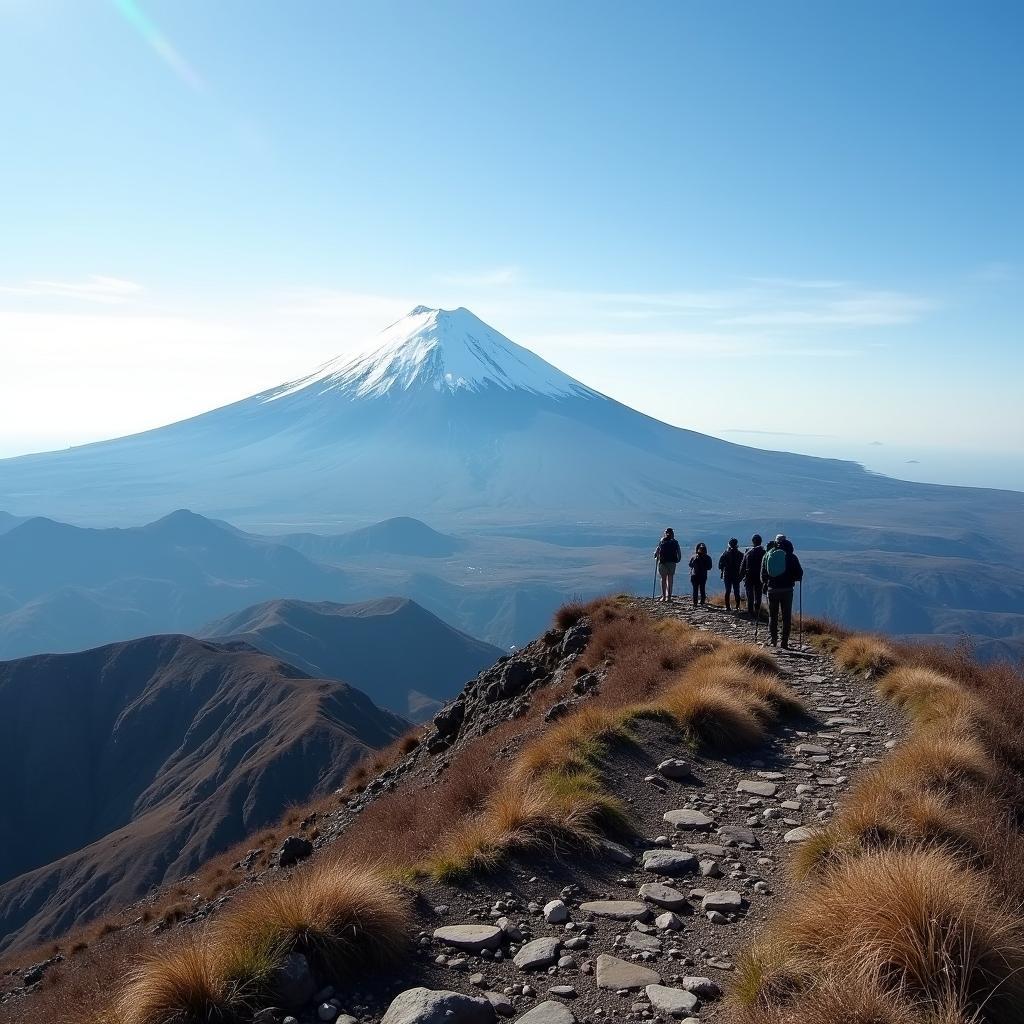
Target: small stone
<point>563,991</point>
<point>726,901</point>
<point>669,922</point>
<point>798,835</point>
<point>716,917</point>
<point>556,912</point>
<point>619,910</point>
<point>703,987</point>
<point>686,820</point>
<point>471,937</point>
<point>326,1011</point>
<point>663,896</point>
<point>537,954</point>
<point>615,974</point>
<point>438,1006</point>
<point>502,1004</point>
<point>548,1012</point>
<point>674,1001</point>
<point>756,788</point>
<point>643,943</point>
<point>669,862</point>
<point>675,768</point>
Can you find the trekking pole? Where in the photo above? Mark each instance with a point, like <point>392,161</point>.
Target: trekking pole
<point>757,619</point>
<point>801,636</point>
<point>654,587</point>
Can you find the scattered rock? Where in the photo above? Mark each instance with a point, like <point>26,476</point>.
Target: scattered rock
<point>687,820</point>
<point>675,768</point>
<point>437,1006</point>
<point>756,788</point>
<point>293,849</point>
<point>556,912</point>
<point>613,973</point>
<point>548,1012</point>
<point>669,862</point>
<point>675,1001</point>
<point>727,901</point>
<point>620,910</point>
<point>471,937</point>
<point>798,835</point>
<point>663,896</point>
<point>537,954</point>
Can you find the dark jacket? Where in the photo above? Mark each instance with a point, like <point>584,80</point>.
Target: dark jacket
<point>729,564</point>
<point>700,566</point>
<point>788,579</point>
<point>750,567</point>
<point>668,550</point>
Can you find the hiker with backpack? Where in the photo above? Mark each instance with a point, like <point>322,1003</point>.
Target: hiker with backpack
<point>668,555</point>
<point>750,574</point>
<point>729,569</point>
<point>700,566</point>
<point>781,571</point>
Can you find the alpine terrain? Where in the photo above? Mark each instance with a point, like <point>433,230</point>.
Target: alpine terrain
<point>446,419</point>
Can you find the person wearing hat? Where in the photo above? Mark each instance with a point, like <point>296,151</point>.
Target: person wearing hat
<point>781,571</point>
<point>729,569</point>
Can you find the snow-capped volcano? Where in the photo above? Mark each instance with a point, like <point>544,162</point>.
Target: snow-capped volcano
<point>442,418</point>
<point>443,349</point>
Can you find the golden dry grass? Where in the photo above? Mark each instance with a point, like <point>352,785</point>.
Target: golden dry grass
<point>181,984</point>
<point>757,659</point>
<point>923,927</point>
<point>864,653</point>
<point>928,696</point>
<point>340,915</point>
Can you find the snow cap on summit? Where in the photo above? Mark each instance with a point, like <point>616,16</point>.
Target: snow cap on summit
<point>448,350</point>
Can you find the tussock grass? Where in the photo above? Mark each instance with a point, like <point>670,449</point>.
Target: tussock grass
<point>182,984</point>
<point>927,696</point>
<point>757,659</point>
<point>340,915</point>
<point>922,924</point>
<point>910,907</point>
<point>864,653</point>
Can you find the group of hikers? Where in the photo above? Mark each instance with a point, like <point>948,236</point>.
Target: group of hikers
<point>771,569</point>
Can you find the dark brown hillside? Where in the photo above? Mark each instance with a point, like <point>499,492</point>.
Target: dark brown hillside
<point>127,765</point>
<point>377,645</point>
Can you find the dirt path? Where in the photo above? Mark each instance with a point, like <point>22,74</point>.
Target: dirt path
<point>743,817</point>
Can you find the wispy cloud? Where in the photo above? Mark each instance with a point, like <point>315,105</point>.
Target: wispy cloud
<point>94,288</point>
<point>494,277</point>
<point>865,309</point>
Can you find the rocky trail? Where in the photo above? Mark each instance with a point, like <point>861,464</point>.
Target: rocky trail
<point>647,931</point>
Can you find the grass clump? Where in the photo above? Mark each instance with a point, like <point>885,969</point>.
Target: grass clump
<point>863,653</point>
<point>341,916</point>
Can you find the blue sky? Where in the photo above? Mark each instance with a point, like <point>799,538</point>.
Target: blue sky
<point>670,200</point>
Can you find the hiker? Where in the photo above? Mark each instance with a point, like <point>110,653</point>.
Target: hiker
<point>729,569</point>
<point>668,555</point>
<point>700,566</point>
<point>750,574</point>
<point>780,573</point>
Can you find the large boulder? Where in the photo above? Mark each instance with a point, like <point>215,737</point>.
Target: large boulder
<point>437,1006</point>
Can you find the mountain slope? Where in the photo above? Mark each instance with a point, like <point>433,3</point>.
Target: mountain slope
<point>128,765</point>
<point>401,535</point>
<point>445,416</point>
<point>66,588</point>
<point>405,658</point>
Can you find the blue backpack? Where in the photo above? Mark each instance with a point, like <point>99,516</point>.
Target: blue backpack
<point>775,563</point>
